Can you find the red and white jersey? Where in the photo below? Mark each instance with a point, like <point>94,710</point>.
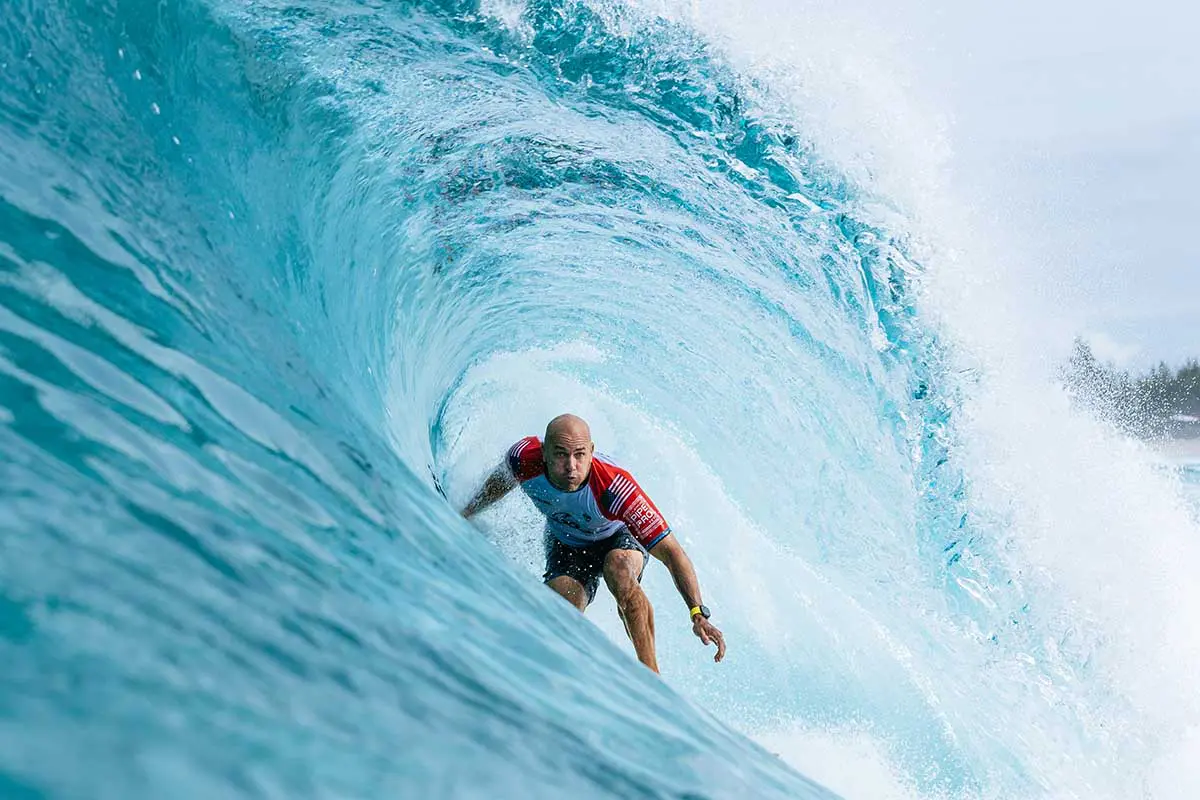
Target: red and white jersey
<point>610,500</point>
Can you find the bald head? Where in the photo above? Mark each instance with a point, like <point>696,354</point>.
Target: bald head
<point>568,425</point>
<point>567,450</point>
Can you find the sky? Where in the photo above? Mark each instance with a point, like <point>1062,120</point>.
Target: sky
<point>1082,120</point>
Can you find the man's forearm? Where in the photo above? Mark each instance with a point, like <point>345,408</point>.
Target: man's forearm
<point>498,484</point>
<point>671,553</point>
<point>684,575</point>
<point>482,499</point>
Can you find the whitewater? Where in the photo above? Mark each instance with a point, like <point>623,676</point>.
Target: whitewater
<point>279,284</point>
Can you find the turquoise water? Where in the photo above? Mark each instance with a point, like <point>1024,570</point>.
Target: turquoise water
<point>1190,476</point>
<point>279,283</point>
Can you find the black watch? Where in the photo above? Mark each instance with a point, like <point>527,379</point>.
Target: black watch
<point>704,612</point>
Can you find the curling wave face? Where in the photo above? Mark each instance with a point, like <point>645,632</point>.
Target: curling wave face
<point>278,284</point>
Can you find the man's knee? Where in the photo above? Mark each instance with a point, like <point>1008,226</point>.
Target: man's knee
<point>571,590</point>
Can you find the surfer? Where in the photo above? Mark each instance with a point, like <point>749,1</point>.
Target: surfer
<point>598,522</point>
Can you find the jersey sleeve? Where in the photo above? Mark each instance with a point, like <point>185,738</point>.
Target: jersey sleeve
<point>525,459</point>
<point>625,500</point>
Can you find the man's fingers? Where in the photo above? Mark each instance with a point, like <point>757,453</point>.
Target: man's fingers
<point>710,634</point>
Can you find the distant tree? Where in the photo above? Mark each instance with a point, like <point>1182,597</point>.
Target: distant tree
<point>1147,405</point>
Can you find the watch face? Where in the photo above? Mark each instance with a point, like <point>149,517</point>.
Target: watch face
<point>704,611</point>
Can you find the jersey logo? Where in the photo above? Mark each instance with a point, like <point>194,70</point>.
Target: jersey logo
<point>565,518</point>
<point>642,517</point>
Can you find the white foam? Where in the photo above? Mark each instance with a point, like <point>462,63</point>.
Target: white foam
<point>850,763</point>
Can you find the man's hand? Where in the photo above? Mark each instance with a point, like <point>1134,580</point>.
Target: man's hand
<point>709,634</point>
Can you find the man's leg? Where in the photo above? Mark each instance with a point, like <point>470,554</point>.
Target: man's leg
<point>622,568</point>
<point>571,572</point>
<point>571,589</point>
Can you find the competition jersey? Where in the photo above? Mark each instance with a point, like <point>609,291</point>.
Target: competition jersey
<point>610,500</point>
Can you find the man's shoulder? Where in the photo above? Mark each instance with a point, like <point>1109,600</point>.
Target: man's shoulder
<point>621,497</point>
<point>524,447</point>
<point>609,470</point>
<point>525,458</point>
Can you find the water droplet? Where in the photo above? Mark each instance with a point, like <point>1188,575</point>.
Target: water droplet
<point>137,74</point>
<point>231,215</point>
<point>120,52</point>
<point>154,107</point>
<point>175,139</point>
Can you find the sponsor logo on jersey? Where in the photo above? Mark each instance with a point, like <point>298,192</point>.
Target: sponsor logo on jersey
<point>642,517</point>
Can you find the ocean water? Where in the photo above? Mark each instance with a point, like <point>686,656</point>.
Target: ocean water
<point>279,283</point>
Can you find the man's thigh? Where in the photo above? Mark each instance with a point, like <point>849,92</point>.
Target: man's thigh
<point>567,567</point>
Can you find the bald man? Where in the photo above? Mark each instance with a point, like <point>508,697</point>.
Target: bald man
<point>598,522</point>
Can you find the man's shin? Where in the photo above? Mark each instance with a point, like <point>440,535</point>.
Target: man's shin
<point>638,616</point>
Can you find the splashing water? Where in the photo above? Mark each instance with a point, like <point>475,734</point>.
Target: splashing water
<point>279,283</point>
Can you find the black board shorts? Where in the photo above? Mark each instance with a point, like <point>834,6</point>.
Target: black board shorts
<point>586,564</point>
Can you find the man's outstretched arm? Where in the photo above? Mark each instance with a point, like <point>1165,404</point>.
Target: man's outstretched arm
<point>671,553</point>
<point>498,484</point>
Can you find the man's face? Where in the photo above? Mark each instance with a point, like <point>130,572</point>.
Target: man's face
<point>568,458</point>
